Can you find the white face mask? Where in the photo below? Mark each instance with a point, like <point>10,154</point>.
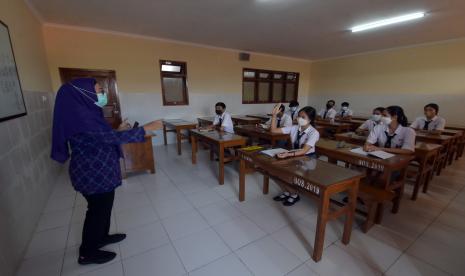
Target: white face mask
<point>376,117</point>
<point>386,120</point>
<point>302,121</point>
<point>345,108</point>
<point>293,109</point>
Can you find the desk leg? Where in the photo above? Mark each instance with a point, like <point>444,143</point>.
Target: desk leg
<point>350,213</point>
<point>321,227</point>
<point>266,184</point>
<point>194,149</point>
<point>221,164</point>
<point>164,135</point>
<point>420,179</point>
<point>178,140</point>
<point>242,179</point>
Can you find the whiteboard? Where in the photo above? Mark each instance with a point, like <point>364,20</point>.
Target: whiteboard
<point>11,96</point>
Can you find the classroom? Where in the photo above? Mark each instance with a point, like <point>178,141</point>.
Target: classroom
<point>232,138</point>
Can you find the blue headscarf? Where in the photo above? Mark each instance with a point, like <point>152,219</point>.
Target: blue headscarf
<point>75,112</point>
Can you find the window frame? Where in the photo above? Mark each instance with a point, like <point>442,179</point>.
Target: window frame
<point>271,80</point>
<point>182,75</point>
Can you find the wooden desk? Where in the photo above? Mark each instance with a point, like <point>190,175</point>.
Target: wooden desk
<point>263,134</point>
<point>425,155</point>
<point>245,120</point>
<point>205,121</point>
<point>444,140</point>
<point>461,143</point>
<point>218,141</point>
<point>177,125</point>
<point>336,127</point>
<point>360,118</point>
<point>354,123</point>
<point>314,178</point>
<point>263,117</point>
<point>138,157</point>
<point>386,167</point>
<point>457,144</point>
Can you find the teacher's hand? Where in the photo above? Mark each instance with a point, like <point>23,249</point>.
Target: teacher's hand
<point>124,125</point>
<point>152,126</point>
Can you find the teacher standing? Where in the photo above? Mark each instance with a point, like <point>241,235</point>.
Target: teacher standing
<point>94,168</point>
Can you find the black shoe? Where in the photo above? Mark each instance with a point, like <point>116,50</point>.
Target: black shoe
<point>281,197</point>
<point>112,239</point>
<point>98,257</point>
<point>291,200</point>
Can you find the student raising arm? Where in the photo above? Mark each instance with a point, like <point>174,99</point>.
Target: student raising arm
<point>393,135</point>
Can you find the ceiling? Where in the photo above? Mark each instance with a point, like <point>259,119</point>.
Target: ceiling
<point>308,29</point>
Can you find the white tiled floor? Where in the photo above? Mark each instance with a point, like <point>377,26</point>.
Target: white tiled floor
<point>179,221</point>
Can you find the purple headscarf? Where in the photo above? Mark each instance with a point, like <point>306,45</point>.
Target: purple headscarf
<point>75,112</point>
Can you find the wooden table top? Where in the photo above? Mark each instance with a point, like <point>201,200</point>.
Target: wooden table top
<point>217,136</point>
<point>433,138</point>
<point>260,116</point>
<point>317,172</point>
<point>178,122</point>
<point>325,146</point>
<point>248,120</point>
<point>354,138</point>
<point>328,123</point>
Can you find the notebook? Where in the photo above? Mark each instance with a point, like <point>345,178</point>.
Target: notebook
<point>273,152</point>
<point>377,153</point>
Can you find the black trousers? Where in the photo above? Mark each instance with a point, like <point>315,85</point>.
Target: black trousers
<point>97,222</point>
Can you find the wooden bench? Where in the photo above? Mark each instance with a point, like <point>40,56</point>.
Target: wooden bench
<point>373,197</point>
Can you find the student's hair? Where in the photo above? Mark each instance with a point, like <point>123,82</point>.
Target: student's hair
<point>220,104</point>
<point>332,101</point>
<point>433,106</point>
<point>394,110</point>
<point>311,113</point>
<point>293,103</point>
<point>345,104</point>
<point>282,108</point>
<point>380,109</point>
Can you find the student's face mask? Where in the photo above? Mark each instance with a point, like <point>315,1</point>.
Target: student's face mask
<point>293,109</point>
<point>345,108</point>
<point>302,121</point>
<point>386,120</point>
<point>376,117</point>
<point>102,99</point>
<point>219,111</point>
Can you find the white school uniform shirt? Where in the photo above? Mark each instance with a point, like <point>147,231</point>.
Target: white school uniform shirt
<point>293,116</point>
<point>437,123</point>
<point>369,125</point>
<point>226,123</point>
<point>310,136</point>
<point>285,121</point>
<point>404,137</point>
<point>347,113</point>
<point>331,114</point>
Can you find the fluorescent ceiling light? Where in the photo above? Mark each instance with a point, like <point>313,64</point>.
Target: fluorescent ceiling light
<point>389,21</point>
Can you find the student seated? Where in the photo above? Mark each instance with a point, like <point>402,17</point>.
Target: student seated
<point>345,113</point>
<point>303,138</point>
<point>431,122</point>
<point>282,119</point>
<point>223,121</point>
<point>375,120</point>
<point>393,135</point>
<point>293,108</point>
<point>328,113</point>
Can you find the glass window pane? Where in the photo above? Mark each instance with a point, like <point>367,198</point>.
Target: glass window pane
<point>264,75</point>
<point>277,95</point>
<point>264,92</point>
<point>290,92</point>
<point>171,68</point>
<point>277,76</point>
<point>291,76</point>
<point>249,74</point>
<point>173,89</point>
<point>248,94</point>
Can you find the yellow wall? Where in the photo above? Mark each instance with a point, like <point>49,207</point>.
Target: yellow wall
<point>135,60</point>
<point>409,77</point>
<point>28,45</point>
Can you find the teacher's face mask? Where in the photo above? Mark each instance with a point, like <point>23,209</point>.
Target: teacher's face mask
<point>102,99</point>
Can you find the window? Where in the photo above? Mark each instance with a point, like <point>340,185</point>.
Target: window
<point>173,76</point>
<point>265,86</point>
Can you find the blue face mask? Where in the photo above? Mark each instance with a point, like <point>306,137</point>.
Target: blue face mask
<point>102,99</point>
